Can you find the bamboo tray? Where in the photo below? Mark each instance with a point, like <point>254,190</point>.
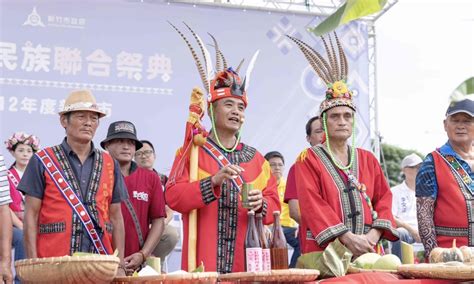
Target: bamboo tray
<point>201,277</point>
<point>352,270</point>
<point>284,275</point>
<point>68,269</point>
<point>450,270</point>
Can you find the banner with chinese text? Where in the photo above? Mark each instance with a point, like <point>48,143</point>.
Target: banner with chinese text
<point>140,69</point>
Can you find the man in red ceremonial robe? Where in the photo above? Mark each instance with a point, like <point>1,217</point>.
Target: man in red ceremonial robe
<point>221,219</point>
<point>342,190</point>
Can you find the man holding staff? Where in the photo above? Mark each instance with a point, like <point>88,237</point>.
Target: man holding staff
<point>209,179</point>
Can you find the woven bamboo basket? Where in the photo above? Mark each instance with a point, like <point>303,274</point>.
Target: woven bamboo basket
<point>200,277</point>
<point>352,270</point>
<point>156,279</point>
<point>68,269</point>
<point>284,275</point>
<point>452,271</point>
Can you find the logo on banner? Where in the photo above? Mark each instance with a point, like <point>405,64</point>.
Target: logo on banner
<point>313,87</point>
<point>34,19</point>
<point>277,34</point>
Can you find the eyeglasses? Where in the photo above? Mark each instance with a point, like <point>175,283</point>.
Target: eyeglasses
<point>147,153</point>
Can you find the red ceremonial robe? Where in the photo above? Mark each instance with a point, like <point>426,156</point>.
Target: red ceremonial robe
<point>330,208</point>
<point>453,199</point>
<point>221,219</point>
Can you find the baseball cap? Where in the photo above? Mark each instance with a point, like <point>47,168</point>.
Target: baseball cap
<point>411,160</point>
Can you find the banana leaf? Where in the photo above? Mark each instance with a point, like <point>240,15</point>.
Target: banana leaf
<point>349,11</point>
<point>332,262</point>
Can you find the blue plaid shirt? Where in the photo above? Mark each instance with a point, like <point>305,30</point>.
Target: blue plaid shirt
<point>426,184</point>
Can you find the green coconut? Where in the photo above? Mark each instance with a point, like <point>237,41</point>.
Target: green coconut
<point>366,261</point>
<point>387,262</point>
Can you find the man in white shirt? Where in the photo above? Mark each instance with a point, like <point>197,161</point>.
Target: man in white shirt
<point>404,204</point>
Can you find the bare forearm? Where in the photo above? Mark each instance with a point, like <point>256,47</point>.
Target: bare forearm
<point>154,235</point>
<point>426,227</point>
<point>401,224</point>
<point>294,210</point>
<point>373,236</point>
<point>5,234</point>
<point>16,221</point>
<point>169,215</point>
<point>30,226</point>
<point>30,233</point>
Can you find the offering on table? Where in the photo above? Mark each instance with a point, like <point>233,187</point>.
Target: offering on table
<point>446,254</point>
<point>387,262</point>
<point>366,261</point>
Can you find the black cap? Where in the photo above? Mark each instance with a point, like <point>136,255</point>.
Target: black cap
<point>274,154</point>
<point>122,130</point>
<point>466,106</point>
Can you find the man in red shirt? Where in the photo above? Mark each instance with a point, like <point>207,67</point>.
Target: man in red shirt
<point>146,204</point>
<point>314,136</point>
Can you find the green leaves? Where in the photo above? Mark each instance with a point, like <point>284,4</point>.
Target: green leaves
<point>464,91</point>
<point>200,268</point>
<point>349,11</point>
<point>393,156</point>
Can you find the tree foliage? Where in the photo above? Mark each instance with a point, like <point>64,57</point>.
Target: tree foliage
<point>391,160</point>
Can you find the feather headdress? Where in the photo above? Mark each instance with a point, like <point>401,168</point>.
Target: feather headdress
<point>220,81</point>
<point>332,70</point>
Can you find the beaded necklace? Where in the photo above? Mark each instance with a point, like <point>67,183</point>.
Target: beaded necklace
<point>347,169</point>
<point>336,161</point>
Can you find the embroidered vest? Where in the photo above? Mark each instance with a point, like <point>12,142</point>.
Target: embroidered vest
<point>454,207</point>
<point>60,231</point>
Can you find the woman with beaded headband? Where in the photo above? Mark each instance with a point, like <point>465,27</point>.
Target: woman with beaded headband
<point>342,190</point>
<point>224,163</point>
<point>22,146</point>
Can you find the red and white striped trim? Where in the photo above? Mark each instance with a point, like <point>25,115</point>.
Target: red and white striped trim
<point>70,196</point>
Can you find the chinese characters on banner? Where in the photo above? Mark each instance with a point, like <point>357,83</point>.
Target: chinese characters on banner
<point>96,63</point>
<point>45,106</point>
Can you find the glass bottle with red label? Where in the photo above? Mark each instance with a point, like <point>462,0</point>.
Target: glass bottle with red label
<point>253,248</point>
<point>266,260</point>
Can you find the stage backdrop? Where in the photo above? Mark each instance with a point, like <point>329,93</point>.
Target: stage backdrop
<point>140,69</point>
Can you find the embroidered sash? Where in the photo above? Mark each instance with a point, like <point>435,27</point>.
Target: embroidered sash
<point>15,183</point>
<point>458,170</point>
<point>89,199</point>
<point>13,179</point>
<point>138,228</point>
<point>72,199</point>
<point>222,161</point>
